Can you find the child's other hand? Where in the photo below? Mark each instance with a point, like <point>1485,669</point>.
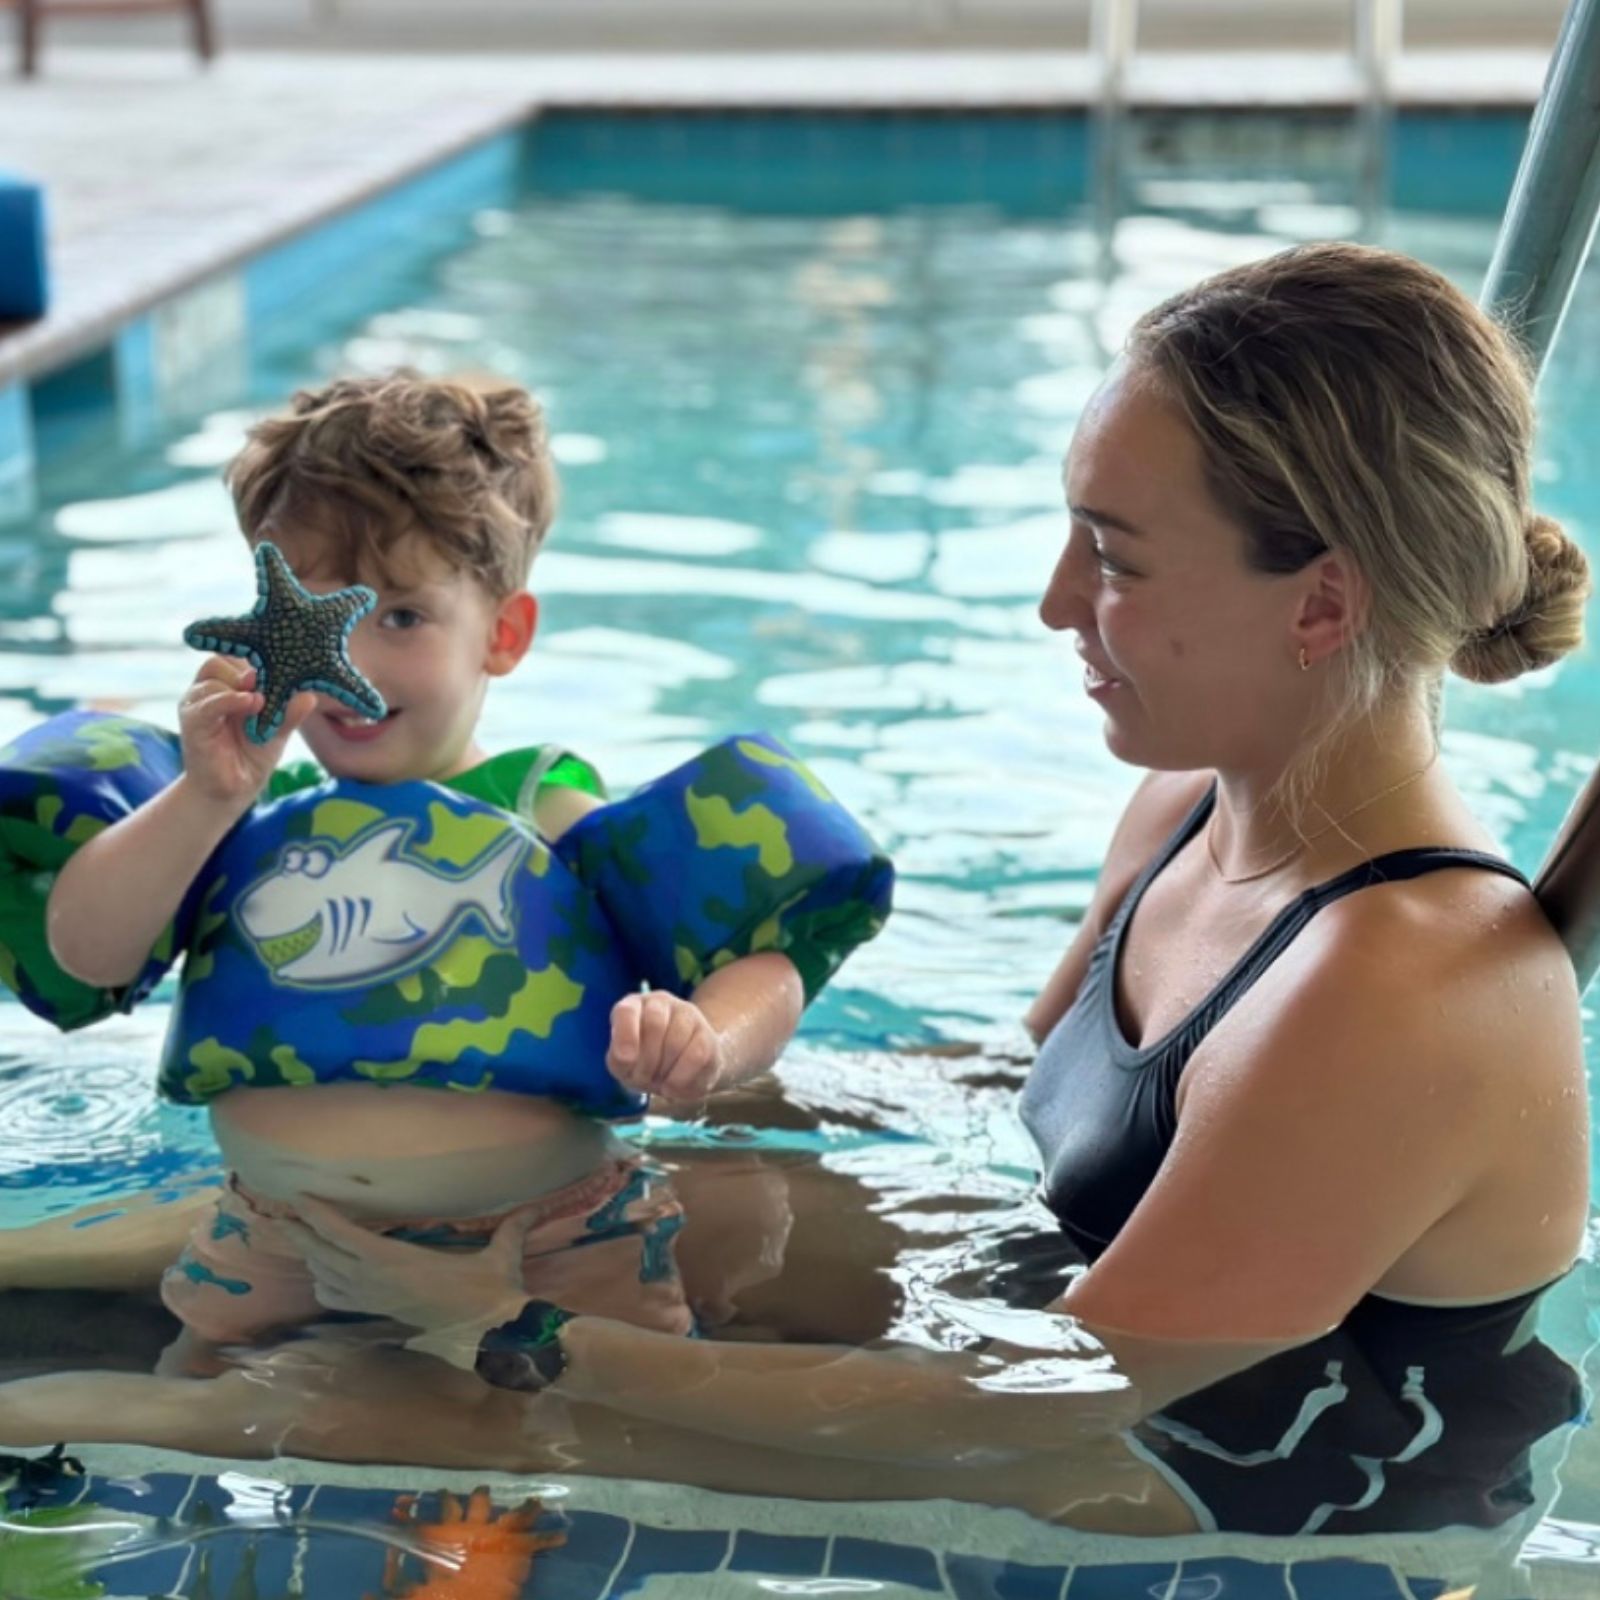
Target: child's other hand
<point>220,761</point>
<point>665,1046</point>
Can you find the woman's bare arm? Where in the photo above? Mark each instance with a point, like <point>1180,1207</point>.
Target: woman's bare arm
<point>1375,1086</point>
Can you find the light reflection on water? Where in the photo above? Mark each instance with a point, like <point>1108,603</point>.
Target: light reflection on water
<point>811,475</point>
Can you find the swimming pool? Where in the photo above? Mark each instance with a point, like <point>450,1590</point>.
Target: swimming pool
<point>810,381</point>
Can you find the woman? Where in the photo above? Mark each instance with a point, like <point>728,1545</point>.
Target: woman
<point>1310,1092</point>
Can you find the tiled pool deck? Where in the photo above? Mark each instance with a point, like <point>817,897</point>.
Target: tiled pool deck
<point>159,174</point>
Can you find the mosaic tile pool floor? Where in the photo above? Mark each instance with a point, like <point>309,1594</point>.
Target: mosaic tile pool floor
<point>247,1538</point>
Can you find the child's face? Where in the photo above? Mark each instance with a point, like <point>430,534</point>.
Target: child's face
<point>429,647</point>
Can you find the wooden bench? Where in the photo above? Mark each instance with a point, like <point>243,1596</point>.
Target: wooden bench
<point>31,15</point>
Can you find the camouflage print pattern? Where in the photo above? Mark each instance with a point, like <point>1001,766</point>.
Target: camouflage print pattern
<point>740,850</point>
<point>402,933</point>
<point>60,784</point>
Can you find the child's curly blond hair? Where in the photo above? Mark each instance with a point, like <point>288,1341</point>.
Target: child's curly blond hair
<point>366,463</point>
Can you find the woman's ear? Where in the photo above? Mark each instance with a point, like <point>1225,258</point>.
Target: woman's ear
<point>511,632</point>
<point>1333,609</point>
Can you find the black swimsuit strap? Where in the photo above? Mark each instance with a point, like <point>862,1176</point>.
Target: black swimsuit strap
<point>1397,866</point>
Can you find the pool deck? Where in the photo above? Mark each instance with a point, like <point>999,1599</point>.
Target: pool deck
<point>159,174</point>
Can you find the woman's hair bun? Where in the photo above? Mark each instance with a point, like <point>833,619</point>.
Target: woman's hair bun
<point>1546,624</point>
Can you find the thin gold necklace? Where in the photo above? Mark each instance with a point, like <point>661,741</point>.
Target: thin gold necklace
<point>1310,838</point>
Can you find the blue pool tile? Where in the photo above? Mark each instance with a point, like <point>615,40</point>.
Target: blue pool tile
<point>157,1573</point>
<point>1432,1588</point>
<point>74,407</point>
<point>263,1561</point>
<point>1442,161</point>
<point>978,1578</point>
<point>581,1569</point>
<point>230,1564</point>
<point>778,1555</point>
<point>1229,1578</point>
<point>1126,1581</point>
<point>335,1503</point>
<point>1345,1580</point>
<point>155,1494</point>
<point>17,496</point>
<point>326,277</point>
<point>134,363</point>
<point>336,1562</point>
<point>973,1577</point>
<point>667,1550</point>
<point>889,1563</point>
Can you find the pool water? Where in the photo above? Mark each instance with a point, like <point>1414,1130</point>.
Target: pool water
<point>810,385</point>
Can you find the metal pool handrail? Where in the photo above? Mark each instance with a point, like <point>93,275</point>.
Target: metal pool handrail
<point>1548,229</point>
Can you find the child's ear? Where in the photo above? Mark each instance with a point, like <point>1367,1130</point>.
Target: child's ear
<point>511,632</point>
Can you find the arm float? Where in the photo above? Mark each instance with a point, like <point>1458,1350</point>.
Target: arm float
<point>60,784</point>
<point>740,850</point>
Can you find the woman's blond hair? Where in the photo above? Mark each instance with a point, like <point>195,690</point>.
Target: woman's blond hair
<point>367,462</point>
<point>1351,399</point>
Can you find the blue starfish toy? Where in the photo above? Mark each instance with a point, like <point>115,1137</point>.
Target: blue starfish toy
<point>295,640</point>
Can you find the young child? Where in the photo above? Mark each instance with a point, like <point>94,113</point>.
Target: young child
<point>436,495</point>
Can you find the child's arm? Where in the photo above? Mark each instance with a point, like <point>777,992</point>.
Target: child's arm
<point>732,1027</point>
<point>558,806</point>
<point>110,902</point>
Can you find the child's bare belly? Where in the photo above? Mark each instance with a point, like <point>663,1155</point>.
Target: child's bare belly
<point>401,1152</point>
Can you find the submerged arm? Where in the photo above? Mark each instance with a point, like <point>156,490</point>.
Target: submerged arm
<point>894,1405</point>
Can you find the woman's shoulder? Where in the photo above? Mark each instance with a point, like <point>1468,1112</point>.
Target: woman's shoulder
<point>1459,961</point>
<point>1452,925</point>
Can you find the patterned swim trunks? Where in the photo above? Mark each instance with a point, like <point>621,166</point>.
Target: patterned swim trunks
<point>602,1246</point>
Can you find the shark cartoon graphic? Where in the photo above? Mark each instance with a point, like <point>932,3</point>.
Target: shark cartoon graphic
<point>326,917</point>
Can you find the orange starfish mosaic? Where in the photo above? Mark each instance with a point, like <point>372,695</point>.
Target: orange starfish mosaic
<point>485,1554</point>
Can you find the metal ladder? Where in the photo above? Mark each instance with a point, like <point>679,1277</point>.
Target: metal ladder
<point>1375,36</point>
<point>1376,28</point>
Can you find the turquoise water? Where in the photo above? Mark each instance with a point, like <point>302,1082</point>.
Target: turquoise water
<point>810,436</point>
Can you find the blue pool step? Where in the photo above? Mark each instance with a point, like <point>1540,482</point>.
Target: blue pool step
<point>24,282</point>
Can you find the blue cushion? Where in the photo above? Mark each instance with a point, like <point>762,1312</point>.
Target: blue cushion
<point>23,290</point>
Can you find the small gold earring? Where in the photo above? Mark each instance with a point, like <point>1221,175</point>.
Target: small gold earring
<point>1305,660</point>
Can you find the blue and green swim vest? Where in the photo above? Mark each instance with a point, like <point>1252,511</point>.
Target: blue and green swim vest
<point>424,933</point>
